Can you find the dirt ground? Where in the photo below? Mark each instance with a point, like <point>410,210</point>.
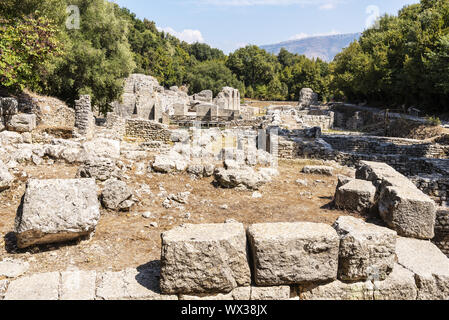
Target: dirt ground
<point>127,239</point>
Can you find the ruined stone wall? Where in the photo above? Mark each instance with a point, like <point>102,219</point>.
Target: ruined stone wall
<point>441,239</point>
<point>436,186</point>
<point>387,146</point>
<point>84,118</point>
<point>325,122</point>
<point>147,130</point>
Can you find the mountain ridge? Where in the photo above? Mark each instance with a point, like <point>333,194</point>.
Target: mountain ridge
<point>323,47</point>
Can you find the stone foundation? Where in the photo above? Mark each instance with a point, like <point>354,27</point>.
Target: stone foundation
<point>147,130</point>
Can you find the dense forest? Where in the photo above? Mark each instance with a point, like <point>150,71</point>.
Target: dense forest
<point>403,60</point>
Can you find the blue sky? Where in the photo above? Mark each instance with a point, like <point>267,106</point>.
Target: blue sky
<point>230,24</point>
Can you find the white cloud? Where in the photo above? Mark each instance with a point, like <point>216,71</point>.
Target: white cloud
<point>187,35</point>
<point>328,6</point>
<point>303,35</point>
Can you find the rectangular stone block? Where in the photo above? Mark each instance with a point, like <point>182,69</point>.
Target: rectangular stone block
<point>337,290</point>
<point>429,265</point>
<point>41,286</point>
<point>293,253</point>
<point>270,293</point>
<point>22,123</point>
<point>400,285</point>
<point>356,196</point>
<point>241,294</point>
<point>78,285</point>
<point>57,211</point>
<point>209,258</point>
<point>408,211</point>
<point>366,251</point>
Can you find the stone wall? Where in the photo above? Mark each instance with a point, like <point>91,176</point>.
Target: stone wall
<point>227,262</point>
<point>436,186</point>
<point>147,130</point>
<point>387,146</point>
<point>324,121</point>
<point>441,239</point>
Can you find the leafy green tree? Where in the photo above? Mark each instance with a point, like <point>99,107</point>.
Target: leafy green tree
<point>25,46</point>
<point>212,75</point>
<point>97,59</point>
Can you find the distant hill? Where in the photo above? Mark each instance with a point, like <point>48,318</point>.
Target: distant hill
<point>323,47</point>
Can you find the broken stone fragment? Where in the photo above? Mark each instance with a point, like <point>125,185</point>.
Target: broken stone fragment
<point>57,211</point>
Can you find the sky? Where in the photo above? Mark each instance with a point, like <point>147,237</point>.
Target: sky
<point>231,24</point>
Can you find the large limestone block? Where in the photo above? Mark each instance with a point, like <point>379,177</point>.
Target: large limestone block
<point>321,170</point>
<point>6,179</point>
<point>382,175</point>
<point>293,253</point>
<point>337,290</point>
<point>241,293</point>
<point>356,196</point>
<point>243,178</point>
<point>429,264</point>
<point>131,284</point>
<point>209,258</point>
<point>400,285</point>
<point>408,211</point>
<point>366,252</point>
<point>103,148</point>
<point>57,211</point>
<point>22,123</point>
<point>270,293</point>
<point>43,286</point>
<point>78,285</point>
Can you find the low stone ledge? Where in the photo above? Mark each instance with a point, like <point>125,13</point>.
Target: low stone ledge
<point>366,251</point>
<point>429,265</point>
<point>400,285</point>
<point>293,253</point>
<point>209,258</point>
<point>43,286</point>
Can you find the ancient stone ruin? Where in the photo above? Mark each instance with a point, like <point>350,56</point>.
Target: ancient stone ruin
<point>178,197</point>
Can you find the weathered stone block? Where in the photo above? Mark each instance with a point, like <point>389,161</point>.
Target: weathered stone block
<point>78,285</point>
<point>117,195</point>
<point>408,211</point>
<point>366,251</point>
<point>6,179</point>
<point>429,265</point>
<point>57,211</point>
<point>210,258</point>
<point>42,286</point>
<point>13,268</point>
<point>270,293</point>
<point>293,253</point>
<point>241,293</point>
<point>22,123</point>
<point>356,196</point>
<point>337,290</point>
<point>321,170</point>
<point>400,285</point>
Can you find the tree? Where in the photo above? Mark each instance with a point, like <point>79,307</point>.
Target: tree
<point>97,59</point>
<point>25,46</point>
<point>212,75</point>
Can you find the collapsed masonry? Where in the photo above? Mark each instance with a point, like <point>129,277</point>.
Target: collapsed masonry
<point>145,99</point>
